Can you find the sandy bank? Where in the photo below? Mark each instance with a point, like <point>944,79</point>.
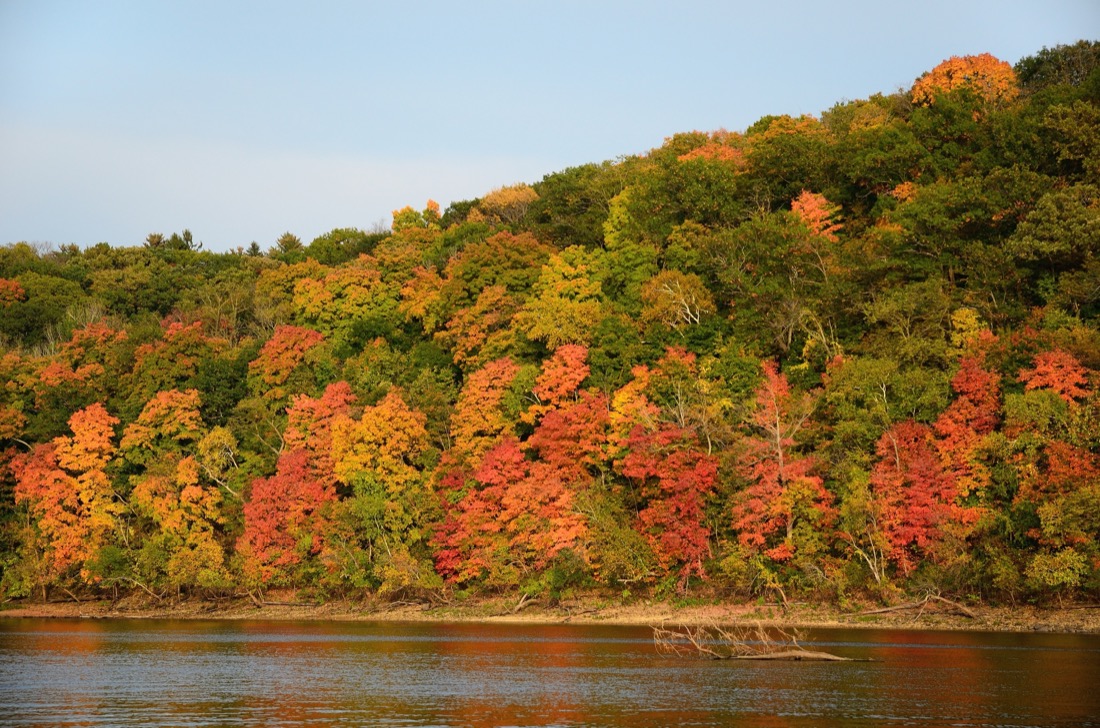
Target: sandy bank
<point>1078,618</point>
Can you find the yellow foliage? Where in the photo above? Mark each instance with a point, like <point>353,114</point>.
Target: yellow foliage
<point>504,206</point>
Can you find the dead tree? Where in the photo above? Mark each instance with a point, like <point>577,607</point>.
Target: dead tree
<point>736,643</point>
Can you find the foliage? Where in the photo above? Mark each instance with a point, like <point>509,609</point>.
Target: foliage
<point>745,361</point>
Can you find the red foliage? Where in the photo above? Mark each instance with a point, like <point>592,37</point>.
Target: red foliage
<point>1060,371</point>
<point>973,414</point>
<point>283,353</point>
<point>573,437</point>
<point>282,520</point>
<point>675,477</point>
<point>783,488</point>
<point>916,496</point>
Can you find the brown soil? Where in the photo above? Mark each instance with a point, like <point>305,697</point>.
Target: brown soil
<point>1077,618</point>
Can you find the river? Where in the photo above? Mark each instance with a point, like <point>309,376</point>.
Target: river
<point>205,673</point>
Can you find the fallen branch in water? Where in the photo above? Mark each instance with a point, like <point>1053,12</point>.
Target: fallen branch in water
<point>921,604</point>
<point>736,643</point>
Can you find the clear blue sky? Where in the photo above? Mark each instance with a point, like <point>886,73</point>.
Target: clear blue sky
<point>242,120</point>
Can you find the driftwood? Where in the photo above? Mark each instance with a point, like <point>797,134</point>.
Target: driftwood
<point>736,643</point>
<point>260,602</point>
<point>921,605</point>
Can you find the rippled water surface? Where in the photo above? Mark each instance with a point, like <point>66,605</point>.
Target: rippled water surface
<point>166,673</point>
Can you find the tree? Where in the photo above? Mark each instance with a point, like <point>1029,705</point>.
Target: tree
<point>504,206</point>
<point>785,506</point>
<point>479,333</point>
<point>973,414</point>
<point>676,300</point>
<point>1057,370</point>
<point>286,364</point>
<point>989,78</point>
<point>288,518</point>
<point>11,292</point>
<point>182,547</point>
<point>69,493</point>
<point>349,304</point>
<point>916,496</point>
<point>566,303</point>
<point>818,214</point>
<point>674,477</point>
<point>171,362</point>
<point>1069,64</point>
<point>384,457</point>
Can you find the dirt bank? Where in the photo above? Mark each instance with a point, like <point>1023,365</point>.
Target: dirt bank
<point>1078,618</point>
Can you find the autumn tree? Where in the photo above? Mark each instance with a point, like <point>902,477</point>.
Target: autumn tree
<point>479,422</point>
<point>504,206</point>
<point>915,494</point>
<point>676,300</point>
<point>70,496</point>
<point>784,509</point>
<point>1059,371</point>
<point>349,304</point>
<point>286,364</point>
<point>289,534</point>
<point>384,457</point>
<point>673,477</point>
<point>989,78</point>
<point>183,547</point>
<point>566,302</point>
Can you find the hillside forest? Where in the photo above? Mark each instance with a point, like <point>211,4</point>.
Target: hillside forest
<point>851,356</point>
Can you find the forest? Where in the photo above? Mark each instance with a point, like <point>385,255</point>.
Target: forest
<point>853,356</point>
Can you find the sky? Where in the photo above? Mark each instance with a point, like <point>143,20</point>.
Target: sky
<point>244,120</point>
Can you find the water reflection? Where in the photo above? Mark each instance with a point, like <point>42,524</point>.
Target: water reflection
<point>105,672</point>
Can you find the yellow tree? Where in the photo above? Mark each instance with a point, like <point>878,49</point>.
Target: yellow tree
<point>677,300</point>
<point>382,457</point>
<point>566,306</point>
<point>183,549</point>
<point>504,206</point>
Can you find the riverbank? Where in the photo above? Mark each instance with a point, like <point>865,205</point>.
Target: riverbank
<point>932,615</point>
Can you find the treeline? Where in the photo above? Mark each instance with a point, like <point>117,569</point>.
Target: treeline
<point>837,356</point>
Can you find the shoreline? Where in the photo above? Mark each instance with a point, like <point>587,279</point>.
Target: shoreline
<point>1077,619</point>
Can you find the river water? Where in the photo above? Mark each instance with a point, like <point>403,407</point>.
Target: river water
<point>213,673</point>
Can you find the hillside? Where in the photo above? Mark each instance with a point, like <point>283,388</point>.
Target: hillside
<point>825,358</point>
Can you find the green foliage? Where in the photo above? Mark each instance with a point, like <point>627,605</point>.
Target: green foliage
<point>921,266</point>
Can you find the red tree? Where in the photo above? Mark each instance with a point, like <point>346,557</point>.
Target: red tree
<point>783,489</point>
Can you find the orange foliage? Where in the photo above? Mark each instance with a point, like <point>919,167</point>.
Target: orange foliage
<point>472,328</point>
<point>973,414</point>
<point>421,296</point>
<point>1060,371</point>
<point>283,354</point>
<point>720,146</point>
<point>784,488</point>
<point>11,292</point>
<point>818,213</point>
<point>478,420</point>
<point>991,79</point>
<point>68,491</point>
<point>504,206</point>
